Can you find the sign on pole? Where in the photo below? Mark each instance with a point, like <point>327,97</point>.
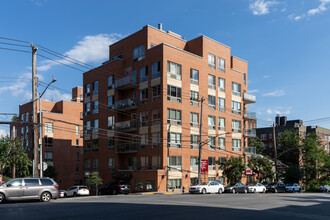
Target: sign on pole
<point>248,172</point>
<point>204,166</point>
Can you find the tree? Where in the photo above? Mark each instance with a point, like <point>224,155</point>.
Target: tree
<point>292,174</point>
<point>94,180</point>
<point>233,168</point>
<point>50,172</point>
<point>5,149</point>
<point>262,167</point>
<point>288,144</point>
<point>258,144</point>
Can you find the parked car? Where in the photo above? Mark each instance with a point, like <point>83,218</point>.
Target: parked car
<point>207,187</point>
<point>114,188</point>
<point>324,188</point>
<point>275,187</point>
<point>43,189</point>
<point>292,187</point>
<point>254,188</point>
<point>237,188</point>
<point>62,193</point>
<point>77,191</point>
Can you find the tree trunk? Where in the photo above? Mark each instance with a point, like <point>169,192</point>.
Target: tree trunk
<point>14,171</point>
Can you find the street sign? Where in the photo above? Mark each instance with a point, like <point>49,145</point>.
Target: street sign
<point>44,166</point>
<point>204,166</point>
<point>248,172</point>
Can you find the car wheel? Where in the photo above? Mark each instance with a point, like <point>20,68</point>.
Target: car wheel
<point>220,191</point>
<point>245,191</point>
<point>45,197</point>
<point>65,195</point>
<point>234,191</point>
<point>275,190</point>
<point>263,191</point>
<point>2,198</point>
<point>204,191</point>
<point>99,193</point>
<point>114,192</point>
<point>254,191</point>
<point>74,194</point>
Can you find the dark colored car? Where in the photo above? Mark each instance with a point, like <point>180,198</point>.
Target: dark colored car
<point>275,187</point>
<point>114,188</point>
<point>237,188</point>
<point>324,188</point>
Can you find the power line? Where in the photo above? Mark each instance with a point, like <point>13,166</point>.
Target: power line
<point>18,45</point>
<point>5,48</point>
<point>59,62</point>
<point>11,39</point>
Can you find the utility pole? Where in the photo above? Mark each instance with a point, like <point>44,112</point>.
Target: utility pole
<point>40,137</point>
<point>34,118</point>
<point>200,142</point>
<point>275,151</point>
<point>13,146</point>
<point>168,154</point>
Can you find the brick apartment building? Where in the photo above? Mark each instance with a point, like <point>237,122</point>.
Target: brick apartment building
<point>142,110</point>
<point>62,141</point>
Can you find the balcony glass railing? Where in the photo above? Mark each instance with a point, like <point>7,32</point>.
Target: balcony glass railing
<point>250,132</point>
<point>249,98</point>
<point>125,81</point>
<point>251,115</point>
<point>126,148</point>
<point>124,125</point>
<point>250,150</point>
<point>125,103</point>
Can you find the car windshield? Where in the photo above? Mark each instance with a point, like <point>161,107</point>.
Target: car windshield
<point>251,184</point>
<point>204,183</point>
<point>289,184</point>
<point>271,184</point>
<point>83,187</point>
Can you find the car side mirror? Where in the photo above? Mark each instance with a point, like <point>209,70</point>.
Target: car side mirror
<point>9,185</point>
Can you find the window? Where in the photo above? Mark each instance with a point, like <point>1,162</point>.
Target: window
<point>221,84</point>
<point>87,146</point>
<point>221,63</point>
<point>236,107</point>
<point>174,93</point>
<point>194,75</point>
<point>211,163</point>
<point>49,156</point>
<point>155,93</point>
<point>95,146</point>
<point>95,126</point>
<point>156,115</point>
<point>236,126</point>
<point>48,141</point>
<point>77,157</point>
<point>27,130</point>
<point>211,122</point>
<point>174,140</point>
<point>143,118</point>
<point>143,96</point>
<point>77,129</point>
<point>221,159</point>
<point>46,182</point>
<point>111,102</point>
<point>26,116</point>
<point>77,142</point>
<point>131,162</point>
<point>221,143</point>
<point>87,165</point>
<point>152,45</point>
<point>15,182</point>
<point>173,70</point>
<point>194,164</point>
<point>48,127</point>
<point>111,143</point>
<point>211,143</point>
<point>138,53</point>
<point>155,138</point>
<point>263,136</point>
<point>174,184</point>
<point>211,102</point>
<point>173,116</point>
<point>155,70</point>
<point>236,89</point>
<point>174,162</point>
<point>194,119</point>
<point>211,61</point>
<point>22,131</point>
<point>111,82</point>
<point>143,141</point>
<point>88,127</point>
<point>221,124</point>
<point>111,163</point>
<point>193,98</point>
<point>31,182</point>
<point>95,165</point>
<point>155,162</point>
<point>111,122</point>
<point>95,107</point>
<point>87,90</point>
<point>244,79</point>
<point>143,162</point>
<point>236,145</point>
<point>87,108</point>
<point>194,140</point>
<point>95,87</point>
<point>143,74</point>
<point>211,81</point>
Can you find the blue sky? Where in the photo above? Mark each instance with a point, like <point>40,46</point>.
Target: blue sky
<point>286,43</point>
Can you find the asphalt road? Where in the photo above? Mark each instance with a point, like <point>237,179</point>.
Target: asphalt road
<point>314,206</point>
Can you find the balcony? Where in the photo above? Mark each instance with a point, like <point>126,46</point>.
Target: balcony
<point>249,98</point>
<point>126,104</point>
<point>236,149</point>
<point>129,125</point>
<point>250,115</point>
<point>126,148</point>
<point>250,132</point>
<point>126,82</point>
<point>250,150</point>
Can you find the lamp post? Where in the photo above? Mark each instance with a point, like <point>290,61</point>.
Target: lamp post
<point>40,128</point>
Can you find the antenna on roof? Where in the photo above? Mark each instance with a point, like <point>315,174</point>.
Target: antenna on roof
<point>160,26</point>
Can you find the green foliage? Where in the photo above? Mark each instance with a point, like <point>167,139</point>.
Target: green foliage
<point>258,144</point>
<point>262,166</point>
<point>14,118</point>
<point>288,147</point>
<point>50,172</point>
<point>233,168</point>
<point>293,174</point>
<point>94,180</point>
<point>312,185</point>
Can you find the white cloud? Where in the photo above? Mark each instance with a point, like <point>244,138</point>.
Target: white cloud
<point>54,95</point>
<point>18,87</point>
<point>266,76</point>
<point>3,133</point>
<point>279,110</point>
<point>261,7</point>
<point>275,93</point>
<point>320,8</point>
<point>253,90</point>
<point>92,49</point>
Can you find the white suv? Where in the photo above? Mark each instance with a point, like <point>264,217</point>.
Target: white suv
<point>77,191</point>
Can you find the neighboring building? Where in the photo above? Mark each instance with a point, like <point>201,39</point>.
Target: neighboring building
<point>142,110</point>
<point>62,144</point>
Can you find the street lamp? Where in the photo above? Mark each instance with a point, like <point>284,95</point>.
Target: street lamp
<point>40,128</point>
